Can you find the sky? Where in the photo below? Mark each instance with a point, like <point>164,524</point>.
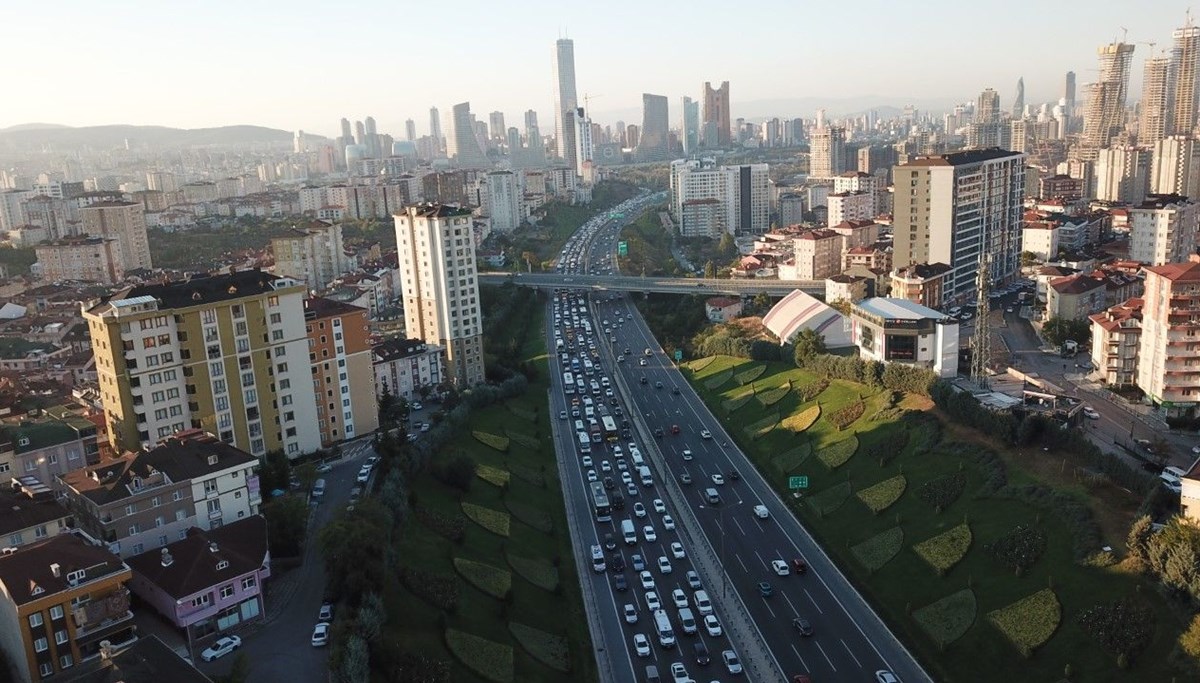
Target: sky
<point>303,64</point>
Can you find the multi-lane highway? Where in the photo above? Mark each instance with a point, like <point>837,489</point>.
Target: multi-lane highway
<point>666,285</point>
<point>732,547</point>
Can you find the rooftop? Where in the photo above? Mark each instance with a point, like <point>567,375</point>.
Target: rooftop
<point>1178,272</point>
<point>188,566</point>
<point>30,573</point>
<point>923,271</point>
<point>321,307</point>
<point>898,309</point>
<point>971,156</point>
<point>1077,284</point>
<point>433,210</point>
<point>798,311</point>
<point>146,660</point>
<point>722,301</point>
<point>22,510</point>
<point>398,347</point>
<point>200,289</point>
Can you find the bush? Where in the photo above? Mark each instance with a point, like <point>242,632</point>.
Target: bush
<point>994,471</point>
<point>530,515</point>
<point>946,549</point>
<point>1019,549</point>
<point>458,472</point>
<point>906,378</point>
<point>1086,537</point>
<point>495,441</point>
<point>943,491</point>
<point>1029,622</point>
<point>540,574</point>
<point>735,403</point>
<point>547,648</point>
<point>439,590</point>
<point>523,439</point>
<point>452,528</point>
<point>700,363</point>
<point>812,390</point>
<point>493,520</point>
<point>772,396</point>
<point>529,474</point>
<point>788,461</point>
<point>494,581</point>
<point>747,376</point>
<point>881,496</point>
<point>1123,626</point>
<point>804,419</point>
<point>948,619</point>
<point>491,660</point>
<point>527,415</point>
<point>879,549</point>
<point>757,429</point>
<point>830,499</point>
<point>719,379</point>
<point>838,453</point>
<point>845,416</point>
<point>493,475</point>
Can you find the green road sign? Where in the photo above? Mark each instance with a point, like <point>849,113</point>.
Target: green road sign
<point>678,354</point>
<point>797,483</point>
<point>622,248</point>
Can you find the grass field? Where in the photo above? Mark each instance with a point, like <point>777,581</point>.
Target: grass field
<point>539,552</point>
<point>901,581</point>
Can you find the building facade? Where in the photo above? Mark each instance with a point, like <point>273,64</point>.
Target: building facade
<point>340,354</point>
<point>849,206</point>
<point>900,331</point>
<point>818,254</point>
<point>1163,229</point>
<point>1122,174</point>
<point>1168,367</point>
<point>44,446</point>
<point>126,223</point>
<point>407,366</point>
<point>503,201</point>
<point>85,259</point>
<point>312,252</point>
<point>716,115</point>
<point>1075,297</point>
<point>828,156</point>
<point>1116,338</point>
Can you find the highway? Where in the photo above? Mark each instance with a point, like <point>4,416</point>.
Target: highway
<point>667,285</point>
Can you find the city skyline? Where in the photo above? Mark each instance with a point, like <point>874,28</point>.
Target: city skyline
<point>263,68</point>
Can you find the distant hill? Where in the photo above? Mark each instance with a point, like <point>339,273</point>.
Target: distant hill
<point>41,136</point>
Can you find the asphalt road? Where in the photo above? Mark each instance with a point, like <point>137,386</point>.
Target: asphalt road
<point>670,285</point>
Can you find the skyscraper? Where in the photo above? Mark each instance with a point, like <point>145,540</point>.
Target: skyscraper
<point>1018,108</point>
<point>1186,57</point>
<point>827,152</point>
<point>410,130</point>
<point>985,130</point>
<point>535,153</point>
<point>434,241</point>
<point>1175,166</point>
<point>435,128</point>
<point>502,201</point>
<point>690,126</point>
<point>496,125</point>
<point>1069,92</point>
<point>1122,174</point>
<point>463,146</point>
<point>583,142</point>
<point>1105,112</point>
<point>347,136</point>
<point>716,111</point>
<point>565,98</point>
<point>653,144</point>
<point>125,222</point>
<point>1154,119</point>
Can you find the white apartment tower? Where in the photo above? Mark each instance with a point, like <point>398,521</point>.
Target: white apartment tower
<point>1176,166</point>
<point>1163,229</point>
<point>1122,174</point>
<point>440,286</point>
<point>124,222</point>
<point>502,201</point>
<point>827,152</point>
<point>742,193</point>
<point>312,252</point>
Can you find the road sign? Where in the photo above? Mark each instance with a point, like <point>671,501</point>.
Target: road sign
<point>797,483</point>
<point>622,248</point>
<point>678,355</point>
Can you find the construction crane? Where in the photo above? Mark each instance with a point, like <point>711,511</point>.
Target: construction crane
<point>1151,44</point>
<point>587,107</point>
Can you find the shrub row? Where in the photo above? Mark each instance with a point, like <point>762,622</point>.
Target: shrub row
<point>700,363</point>
<point>450,527</point>
<point>547,648</point>
<point>733,404</point>
<point>895,376</point>
<point>845,416</point>
<point>946,549</point>
<point>495,441</point>
<point>772,396</point>
<point>802,420</point>
<point>994,471</point>
<point>523,413</point>
<point>830,499</point>
<point>494,581</point>
<point>493,475</point>
<point>881,496</point>
<point>1123,626</point>
<point>1019,549</point>
<point>491,660</point>
<point>529,474</point>
<point>525,440</point>
<point>1086,538</point>
<point>1028,623</point>
<point>435,588</point>
<point>747,376</point>
<point>812,390</point>
<point>540,574</point>
<point>758,429</point>
<point>719,379</point>
<point>943,491</point>
<point>949,618</point>
<point>789,460</point>
<point>838,453</point>
<point>879,549</point>
<point>493,520</point>
<point>530,515</point>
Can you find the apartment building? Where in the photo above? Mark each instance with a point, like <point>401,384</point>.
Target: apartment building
<point>1123,174</point>
<point>818,254</point>
<point>849,206</point>
<point>339,350</point>
<point>1075,297</point>
<point>406,366</point>
<point>144,500</point>
<point>502,200</point>
<point>226,353</point>
<point>1116,338</point>
<point>84,259</point>
<point>440,286</point>
<point>921,283</point>
<point>31,513</point>
<point>700,190</point>
<point>312,252</point>
<point>40,447</point>
<point>856,233</point>
<point>60,598</point>
<point>126,223</point>
<point>1163,229</point>
<point>1168,367</point>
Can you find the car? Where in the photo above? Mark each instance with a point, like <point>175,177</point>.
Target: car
<point>664,565</point>
<point>658,385</point>
<point>617,563</point>
<point>658,432</point>
<point>647,352</point>
<point>761,512</point>
<point>324,467</point>
<point>701,652</point>
<point>799,565</point>
<point>718,479</point>
<point>325,614</point>
<point>643,381</point>
<point>1008,309</point>
<point>417,405</point>
<point>734,475</point>
<point>677,550</point>
<point>668,522</point>
<point>620,583</point>
<point>712,626</point>
<point>693,580</point>
<point>687,454</point>
<point>675,390</point>
<point>591,475</point>
<point>705,434</point>
<point>732,664</point>
<point>659,506</point>
<point>885,676</point>
<point>364,475</point>
<point>685,478</point>
<point>562,414</point>
<point>679,598</point>
<point>320,635</point>
<point>803,626</point>
<point>674,429</point>
<point>679,674</point>
<point>1196,450</point>
<point>627,351</point>
<point>424,426</point>
<point>764,589</point>
<point>223,646</point>
<point>631,614</point>
<point>621,466</point>
<point>653,604</point>
<point>780,568</point>
<point>641,645</point>
<point>412,438</point>
<point>1091,413</point>
<point>626,477</point>
<point>647,579</point>
<point>648,532</point>
<point>605,466</point>
<point>631,488</point>
<point>587,461</point>
<point>639,510</point>
<point>609,484</point>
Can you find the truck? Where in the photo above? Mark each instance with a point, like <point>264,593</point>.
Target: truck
<point>1069,348</point>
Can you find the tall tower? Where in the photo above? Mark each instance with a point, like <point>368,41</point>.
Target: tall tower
<point>716,111</point>
<point>496,125</point>
<point>435,128</point>
<point>691,126</point>
<point>463,146</point>
<point>985,130</point>
<point>347,136</point>
<point>1186,57</point>
<point>1069,92</point>
<point>410,130</point>
<point>827,152</point>
<point>653,144</point>
<point>1105,113</point>
<point>565,98</point>
<point>1018,108</point>
<point>1155,120</point>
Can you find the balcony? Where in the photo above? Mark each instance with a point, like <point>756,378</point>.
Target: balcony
<point>214,515</point>
<point>101,612</point>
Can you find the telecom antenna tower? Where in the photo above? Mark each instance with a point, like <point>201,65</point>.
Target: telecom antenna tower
<point>981,342</point>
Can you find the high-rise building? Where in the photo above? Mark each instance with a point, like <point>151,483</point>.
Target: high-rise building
<point>1155,118</point>
<point>565,98</point>
<point>1175,168</point>
<point>1185,53</point>
<point>82,258</point>
<point>124,222</point>
<point>1069,92</point>
<point>690,128</point>
<point>463,146</point>
<point>1020,135</point>
<point>985,129</point>
<point>583,139</point>
<point>224,353</point>
<point>343,375</point>
<point>1018,108</point>
<point>347,136</point>
<point>633,135</point>
<point>1168,361</point>
<point>708,200</point>
<point>496,125</point>
<point>1163,229</point>
<point>1122,174</point>
<point>440,286</point>
<point>435,128</point>
<point>372,138</point>
<point>654,141</point>
<point>716,113</point>
<point>1104,116</point>
<point>827,152</point>
<point>311,251</point>
<point>502,201</point>
<point>410,130</point>
<point>958,206</point>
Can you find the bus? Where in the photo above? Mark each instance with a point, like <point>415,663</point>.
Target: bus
<point>600,502</point>
<point>610,427</point>
<point>585,443</point>
<point>568,383</point>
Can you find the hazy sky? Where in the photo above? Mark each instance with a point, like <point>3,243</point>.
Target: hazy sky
<point>305,64</point>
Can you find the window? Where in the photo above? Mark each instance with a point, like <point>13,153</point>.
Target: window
<point>277,335</point>
<point>35,620</point>
<point>210,486</point>
<point>149,343</point>
<point>130,509</point>
<point>285,384</point>
<point>159,521</point>
<point>286,400</point>
<point>154,502</point>
<point>201,601</point>
<point>138,548</point>
<point>249,582</point>
<point>218,387</point>
<point>53,458</point>
<point>276,318</point>
<point>60,637</point>
<point>157,397</point>
<point>227,591</point>
<point>180,514</point>
<point>216,369</point>
<point>56,612</point>
<point>135,530</point>
<point>41,644</point>
<point>177,496</point>
<point>240,328</point>
<point>176,411</point>
<point>168,357</point>
<point>160,414</point>
<point>152,361</point>
<point>222,403</point>
<point>280,351</point>
<point>45,668</point>
<point>272,301</point>
<point>281,368</point>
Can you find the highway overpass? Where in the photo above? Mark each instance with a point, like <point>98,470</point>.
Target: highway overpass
<point>666,285</point>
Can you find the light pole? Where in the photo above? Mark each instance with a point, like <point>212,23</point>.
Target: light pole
<point>721,557</point>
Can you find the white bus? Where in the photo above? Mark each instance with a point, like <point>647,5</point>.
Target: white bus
<point>568,383</point>
<point>585,442</point>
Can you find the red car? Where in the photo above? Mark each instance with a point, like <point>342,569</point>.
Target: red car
<point>799,565</point>
<point>674,429</point>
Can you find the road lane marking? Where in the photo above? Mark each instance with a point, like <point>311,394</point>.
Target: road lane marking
<point>744,567</point>
<point>790,603</point>
<point>740,529</point>
<point>831,666</point>
<point>851,653</point>
<point>768,606</point>
<point>801,658</point>
<point>814,601</point>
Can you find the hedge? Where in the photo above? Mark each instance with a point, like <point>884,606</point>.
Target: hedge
<point>1123,626</point>
<point>495,441</point>
<point>846,415</point>
<point>530,515</point>
<point>879,549</point>
<point>772,396</point>
<point>439,590</point>
<point>948,619</point>
<point>529,474</point>
<point>990,464</point>
<point>1086,538</point>
<point>943,491</point>
<point>524,414</point>
<point>1029,622</point>
<point>812,390</point>
<point>718,379</point>
<point>789,460</point>
<point>540,574</point>
<point>747,376</point>
<point>525,440</point>
<point>1019,549</point>
<point>804,419</point>
<point>493,475</point>
<point>757,429</point>
<point>493,520</point>
<point>733,404</point>
<point>494,581</point>
<point>453,528</point>
<point>700,363</point>
<point>838,453</point>
<point>881,496</point>
<point>830,499</point>
<point>547,648</point>
<point>491,660</point>
<point>946,549</point>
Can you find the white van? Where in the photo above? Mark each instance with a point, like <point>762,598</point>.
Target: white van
<point>598,564</point>
<point>629,532</point>
<point>703,605</point>
<point>644,472</point>
<point>662,626</point>
<point>636,456</point>
<point>318,488</point>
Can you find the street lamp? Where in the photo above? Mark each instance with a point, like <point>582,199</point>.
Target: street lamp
<point>724,571</point>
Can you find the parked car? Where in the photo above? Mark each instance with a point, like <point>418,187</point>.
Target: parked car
<point>223,646</point>
<point>326,613</point>
<point>320,636</point>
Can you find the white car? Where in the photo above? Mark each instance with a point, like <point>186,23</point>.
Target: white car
<point>648,532</point>
<point>1090,413</point>
<point>605,466</point>
<point>884,676</point>
<point>760,511</point>
<point>652,601</point>
<point>679,598</point>
<point>324,467</point>
<point>320,636</point>
<point>587,461</point>
<point>641,645</point>
<point>222,647</point>
<point>732,664</point>
<point>647,580</point>
<point>639,510</point>
<point>631,614</point>
<point>679,674</point>
<point>780,568</point>
<point>591,475</point>
<point>718,479</point>
<point>712,626</point>
<point>705,434</point>
<point>668,522</point>
<point>626,478</point>
<point>664,565</point>
<point>687,454</point>
<point>659,507</point>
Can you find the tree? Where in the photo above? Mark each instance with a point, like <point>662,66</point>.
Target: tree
<point>762,302</point>
<point>1028,258</point>
<point>353,546</point>
<point>1189,640</point>
<point>710,270</point>
<point>1058,330</point>
<point>274,471</point>
<point>356,663</point>
<point>1138,539</point>
<point>307,474</point>
<point>726,247</point>
<point>387,404</point>
<point>371,616</point>
<point>842,306</point>
<point>529,258</point>
<point>287,523</point>
<point>457,473</point>
<point>807,345</point>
